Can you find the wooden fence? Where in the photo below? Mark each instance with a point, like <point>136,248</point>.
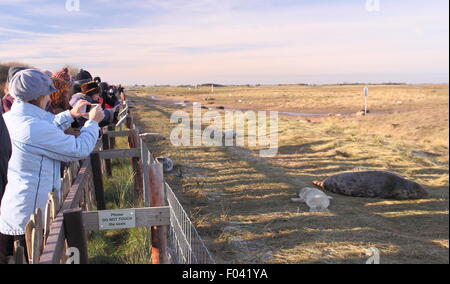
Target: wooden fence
<point>59,234</point>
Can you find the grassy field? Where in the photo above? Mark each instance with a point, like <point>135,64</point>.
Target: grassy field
<point>120,246</point>
<point>241,202</point>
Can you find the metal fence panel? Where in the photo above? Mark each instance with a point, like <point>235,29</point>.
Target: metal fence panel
<point>185,244</point>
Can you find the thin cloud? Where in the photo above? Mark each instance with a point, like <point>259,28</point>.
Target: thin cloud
<point>227,41</point>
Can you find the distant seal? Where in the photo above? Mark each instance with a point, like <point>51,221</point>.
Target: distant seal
<point>373,184</point>
<point>167,164</point>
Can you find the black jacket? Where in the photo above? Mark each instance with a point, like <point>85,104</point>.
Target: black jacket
<point>5,155</point>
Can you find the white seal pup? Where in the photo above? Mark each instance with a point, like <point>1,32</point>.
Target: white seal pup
<point>316,200</point>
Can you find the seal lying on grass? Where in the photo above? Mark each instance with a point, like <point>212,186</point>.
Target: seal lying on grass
<point>373,184</point>
<point>167,164</point>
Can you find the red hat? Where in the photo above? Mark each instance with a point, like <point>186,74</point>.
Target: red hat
<point>63,74</point>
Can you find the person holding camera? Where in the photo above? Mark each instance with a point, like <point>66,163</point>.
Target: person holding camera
<point>91,93</point>
<point>39,145</point>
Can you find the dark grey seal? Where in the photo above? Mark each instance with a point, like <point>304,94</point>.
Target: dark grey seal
<point>373,184</point>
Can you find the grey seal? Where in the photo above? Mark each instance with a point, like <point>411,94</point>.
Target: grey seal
<point>373,184</point>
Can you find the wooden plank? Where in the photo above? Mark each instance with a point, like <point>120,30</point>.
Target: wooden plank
<point>90,191</point>
<point>35,252</point>
<point>151,159</point>
<point>54,249</point>
<point>66,183</point>
<point>114,134</point>
<point>29,228</point>
<point>19,253</point>
<point>118,154</point>
<point>112,142</point>
<point>39,225</point>
<point>54,209</point>
<point>64,256</point>
<point>135,143</point>
<point>47,220</point>
<point>73,170</point>
<point>145,217</point>
<point>106,147</point>
<point>97,148</point>
<point>98,181</point>
<point>144,166</point>
<point>75,233</point>
<point>129,121</point>
<point>159,234</point>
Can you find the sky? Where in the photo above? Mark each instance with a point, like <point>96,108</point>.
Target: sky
<point>159,42</point>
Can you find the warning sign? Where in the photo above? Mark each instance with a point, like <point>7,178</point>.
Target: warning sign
<point>117,219</point>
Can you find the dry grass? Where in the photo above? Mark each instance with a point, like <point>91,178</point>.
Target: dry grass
<point>126,246</point>
<point>241,202</point>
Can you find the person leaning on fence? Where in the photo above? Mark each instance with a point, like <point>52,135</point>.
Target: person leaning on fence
<point>59,100</point>
<point>121,92</point>
<point>81,78</point>
<point>91,93</point>
<point>39,145</point>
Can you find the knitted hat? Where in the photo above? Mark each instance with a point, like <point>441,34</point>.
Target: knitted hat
<point>90,88</point>
<point>30,84</point>
<point>63,74</point>
<point>83,75</point>
<point>14,70</point>
<point>104,87</point>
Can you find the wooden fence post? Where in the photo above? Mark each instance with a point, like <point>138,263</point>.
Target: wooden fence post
<point>107,146</point>
<point>159,234</point>
<point>98,181</point>
<point>112,141</point>
<point>134,142</point>
<point>75,233</point>
<point>129,121</point>
<point>29,229</point>
<point>19,254</point>
<point>144,164</point>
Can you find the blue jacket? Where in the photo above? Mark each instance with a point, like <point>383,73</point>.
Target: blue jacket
<point>39,146</point>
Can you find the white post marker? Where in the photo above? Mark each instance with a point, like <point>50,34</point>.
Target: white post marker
<point>212,88</point>
<point>366,97</point>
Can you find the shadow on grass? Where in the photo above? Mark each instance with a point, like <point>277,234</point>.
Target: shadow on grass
<point>265,220</point>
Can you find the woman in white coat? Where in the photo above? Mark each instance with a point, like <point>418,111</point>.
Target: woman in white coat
<point>39,145</point>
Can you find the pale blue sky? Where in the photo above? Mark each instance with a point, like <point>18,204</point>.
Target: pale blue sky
<point>232,41</point>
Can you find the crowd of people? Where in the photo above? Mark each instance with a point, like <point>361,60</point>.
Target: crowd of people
<point>46,121</point>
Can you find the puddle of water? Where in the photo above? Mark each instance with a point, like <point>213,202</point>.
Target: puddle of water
<point>169,102</point>
<point>304,114</point>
